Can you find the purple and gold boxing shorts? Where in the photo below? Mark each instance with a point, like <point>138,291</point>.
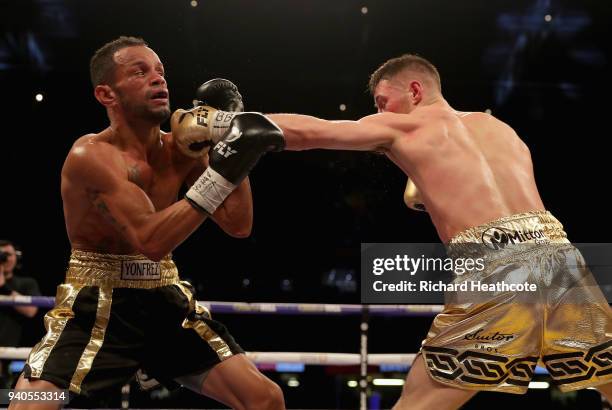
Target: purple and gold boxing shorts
<point>116,314</point>
<point>495,342</point>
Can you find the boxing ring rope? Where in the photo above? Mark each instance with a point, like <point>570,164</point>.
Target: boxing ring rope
<point>270,308</point>
<point>308,358</point>
<point>363,359</point>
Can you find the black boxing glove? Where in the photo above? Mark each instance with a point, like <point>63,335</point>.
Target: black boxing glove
<point>221,94</point>
<point>250,135</point>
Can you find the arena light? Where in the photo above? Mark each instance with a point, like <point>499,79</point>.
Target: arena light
<point>293,382</point>
<point>387,368</point>
<point>539,385</point>
<point>364,10</point>
<point>540,370</point>
<point>194,3</point>
<point>352,383</point>
<point>39,97</point>
<point>290,367</point>
<point>388,382</point>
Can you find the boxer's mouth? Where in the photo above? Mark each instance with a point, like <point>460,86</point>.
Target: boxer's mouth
<point>160,95</point>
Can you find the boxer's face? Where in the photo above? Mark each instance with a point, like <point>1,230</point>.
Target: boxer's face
<point>140,84</point>
<point>11,260</point>
<point>392,96</point>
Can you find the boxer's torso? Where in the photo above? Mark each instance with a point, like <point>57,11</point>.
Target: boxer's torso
<point>160,173</point>
<point>470,168</point>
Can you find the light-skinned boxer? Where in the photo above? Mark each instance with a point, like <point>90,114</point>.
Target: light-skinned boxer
<point>474,176</point>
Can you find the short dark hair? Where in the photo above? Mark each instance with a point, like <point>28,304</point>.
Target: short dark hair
<point>396,65</point>
<point>6,242</point>
<point>102,64</point>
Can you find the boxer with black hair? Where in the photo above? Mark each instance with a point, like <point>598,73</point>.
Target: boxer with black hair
<point>122,302</point>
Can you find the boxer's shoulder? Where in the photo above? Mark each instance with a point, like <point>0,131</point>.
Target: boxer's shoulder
<point>91,154</point>
<point>93,145</point>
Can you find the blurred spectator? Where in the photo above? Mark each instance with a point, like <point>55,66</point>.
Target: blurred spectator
<point>13,318</point>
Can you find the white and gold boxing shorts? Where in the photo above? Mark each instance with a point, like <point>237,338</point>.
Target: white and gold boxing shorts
<point>494,341</point>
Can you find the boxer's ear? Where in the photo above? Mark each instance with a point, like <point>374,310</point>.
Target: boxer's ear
<point>105,95</point>
<point>415,90</point>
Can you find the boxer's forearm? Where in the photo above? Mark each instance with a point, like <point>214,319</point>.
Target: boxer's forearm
<point>156,234</point>
<point>301,132</point>
<point>171,226</point>
<point>235,215</point>
<point>304,132</point>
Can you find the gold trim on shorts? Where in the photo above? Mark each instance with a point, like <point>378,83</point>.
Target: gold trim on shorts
<point>120,271</point>
<point>202,329</point>
<point>105,300</point>
<point>579,369</point>
<point>55,322</point>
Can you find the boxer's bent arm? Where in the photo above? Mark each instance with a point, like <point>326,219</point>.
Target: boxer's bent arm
<point>127,207</point>
<point>235,214</point>
<point>373,133</point>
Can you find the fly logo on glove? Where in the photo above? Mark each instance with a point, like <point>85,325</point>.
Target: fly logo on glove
<point>202,116</point>
<point>223,149</point>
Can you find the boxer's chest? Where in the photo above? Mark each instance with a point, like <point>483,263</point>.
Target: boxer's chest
<point>160,181</point>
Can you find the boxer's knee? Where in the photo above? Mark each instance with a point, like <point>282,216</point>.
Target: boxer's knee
<point>266,396</point>
<point>606,391</point>
<point>34,385</point>
<point>422,392</point>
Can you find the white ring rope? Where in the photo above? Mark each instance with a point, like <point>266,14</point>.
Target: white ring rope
<point>309,358</point>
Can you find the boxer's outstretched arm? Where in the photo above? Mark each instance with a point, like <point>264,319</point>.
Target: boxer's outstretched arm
<point>373,133</point>
<point>93,169</point>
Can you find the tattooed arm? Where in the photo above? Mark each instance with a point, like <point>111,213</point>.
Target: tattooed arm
<point>97,169</point>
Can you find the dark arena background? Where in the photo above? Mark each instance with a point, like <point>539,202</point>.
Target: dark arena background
<point>542,66</point>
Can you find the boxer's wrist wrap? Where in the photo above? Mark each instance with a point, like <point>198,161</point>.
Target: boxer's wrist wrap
<point>209,191</point>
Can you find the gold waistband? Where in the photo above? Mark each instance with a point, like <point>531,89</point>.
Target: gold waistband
<point>510,238</point>
<point>528,227</point>
<point>120,271</point>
